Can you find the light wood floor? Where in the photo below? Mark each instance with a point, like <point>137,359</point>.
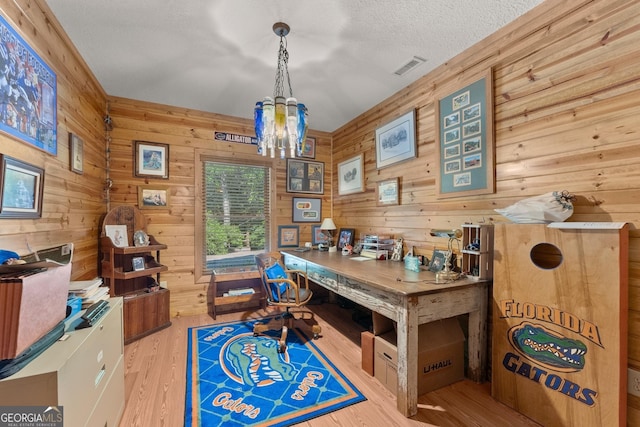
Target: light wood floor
<point>155,381</point>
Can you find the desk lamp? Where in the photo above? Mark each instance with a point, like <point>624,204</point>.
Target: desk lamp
<point>447,273</point>
<point>327,228</point>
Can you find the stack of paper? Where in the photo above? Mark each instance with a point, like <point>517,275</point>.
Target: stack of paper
<point>90,291</point>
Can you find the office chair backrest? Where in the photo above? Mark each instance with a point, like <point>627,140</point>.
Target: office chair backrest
<point>270,267</point>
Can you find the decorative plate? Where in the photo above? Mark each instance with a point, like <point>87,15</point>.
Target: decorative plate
<point>140,238</point>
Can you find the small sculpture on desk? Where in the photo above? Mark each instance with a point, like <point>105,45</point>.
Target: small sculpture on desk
<point>397,251</point>
<point>347,249</point>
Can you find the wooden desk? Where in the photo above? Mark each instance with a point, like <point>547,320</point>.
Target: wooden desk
<point>410,299</point>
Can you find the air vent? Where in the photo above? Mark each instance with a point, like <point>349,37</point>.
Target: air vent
<point>413,62</point>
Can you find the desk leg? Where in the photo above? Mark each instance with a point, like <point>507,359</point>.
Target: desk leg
<point>407,393</point>
<point>478,338</point>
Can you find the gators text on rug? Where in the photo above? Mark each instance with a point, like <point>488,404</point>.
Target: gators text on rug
<point>236,379</point>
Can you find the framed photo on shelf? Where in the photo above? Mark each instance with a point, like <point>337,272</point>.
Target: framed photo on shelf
<point>346,237</point>
<point>138,263</point>
<point>304,176</point>
<point>76,152</point>
<point>387,192</point>
<point>351,176</point>
<point>288,236</point>
<point>153,197</point>
<point>318,236</point>
<point>118,235</point>
<point>306,209</point>
<point>396,141</point>
<point>151,159</point>
<point>21,189</point>
<point>309,148</point>
<point>465,141</point>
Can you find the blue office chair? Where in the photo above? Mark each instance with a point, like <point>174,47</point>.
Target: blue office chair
<point>284,288</point>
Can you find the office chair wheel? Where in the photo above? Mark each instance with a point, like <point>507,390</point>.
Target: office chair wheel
<point>316,336</point>
<point>316,331</point>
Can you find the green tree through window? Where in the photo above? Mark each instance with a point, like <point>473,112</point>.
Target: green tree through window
<point>236,214</point>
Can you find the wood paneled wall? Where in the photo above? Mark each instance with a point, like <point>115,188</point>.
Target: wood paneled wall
<point>73,204</point>
<point>566,89</point>
<point>190,135</point>
<point>566,84</point>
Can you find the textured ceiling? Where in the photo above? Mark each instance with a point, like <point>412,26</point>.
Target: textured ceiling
<point>220,56</point>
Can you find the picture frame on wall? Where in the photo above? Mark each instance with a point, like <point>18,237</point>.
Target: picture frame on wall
<point>309,148</point>
<point>387,192</point>
<point>306,209</point>
<point>153,197</point>
<point>21,189</point>
<point>288,236</point>
<point>396,140</point>
<point>76,153</point>
<point>318,236</point>
<point>151,159</point>
<point>305,176</point>
<point>465,139</point>
<point>351,176</point>
<point>31,115</point>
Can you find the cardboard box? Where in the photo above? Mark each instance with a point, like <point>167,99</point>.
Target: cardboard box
<point>440,356</point>
<point>367,340</point>
<point>382,324</point>
<point>30,306</point>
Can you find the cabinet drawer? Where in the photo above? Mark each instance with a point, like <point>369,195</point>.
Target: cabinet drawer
<point>323,277</point>
<point>84,377</point>
<point>109,408</point>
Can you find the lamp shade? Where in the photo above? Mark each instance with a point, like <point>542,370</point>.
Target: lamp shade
<point>328,224</point>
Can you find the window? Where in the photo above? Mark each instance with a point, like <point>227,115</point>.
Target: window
<point>236,215</point>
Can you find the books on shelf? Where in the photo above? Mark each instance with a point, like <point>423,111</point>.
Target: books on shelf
<point>239,291</point>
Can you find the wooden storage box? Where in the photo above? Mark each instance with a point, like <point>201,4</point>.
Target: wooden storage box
<point>30,306</point>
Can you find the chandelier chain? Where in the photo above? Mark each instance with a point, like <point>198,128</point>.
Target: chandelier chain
<point>282,70</point>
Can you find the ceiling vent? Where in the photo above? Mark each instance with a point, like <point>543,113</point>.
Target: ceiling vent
<point>413,63</point>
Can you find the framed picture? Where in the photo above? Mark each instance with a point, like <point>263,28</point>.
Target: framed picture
<point>21,189</point>
<point>304,176</point>
<point>118,235</point>
<point>396,141</point>
<point>351,176</point>
<point>464,140</point>
<point>153,197</point>
<point>387,192</point>
<point>152,159</point>
<point>288,236</point>
<point>346,237</point>
<point>438,260</point>
<point>76,159</point>
<point>318,236</point>
<point>306,209</point>
<point>138,263</point>
<point>29,106</point>
<point>309,148</point>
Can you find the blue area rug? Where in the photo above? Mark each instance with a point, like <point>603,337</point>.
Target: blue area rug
<point>236,379</point>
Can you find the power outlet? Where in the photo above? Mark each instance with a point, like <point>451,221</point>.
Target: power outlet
<point>633,382</point>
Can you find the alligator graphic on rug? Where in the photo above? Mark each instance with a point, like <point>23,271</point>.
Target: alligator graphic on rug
<point>255,361</point>
<point>547,347</point>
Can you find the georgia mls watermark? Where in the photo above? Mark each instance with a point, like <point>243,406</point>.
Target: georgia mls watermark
<point>31,416</point>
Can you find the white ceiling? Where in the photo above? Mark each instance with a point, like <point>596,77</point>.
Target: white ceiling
<point>220,56</point>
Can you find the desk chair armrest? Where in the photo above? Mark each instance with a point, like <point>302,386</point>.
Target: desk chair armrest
<point>291,284</point>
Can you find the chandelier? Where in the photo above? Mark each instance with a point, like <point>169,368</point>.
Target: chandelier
<point>281,122</point>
